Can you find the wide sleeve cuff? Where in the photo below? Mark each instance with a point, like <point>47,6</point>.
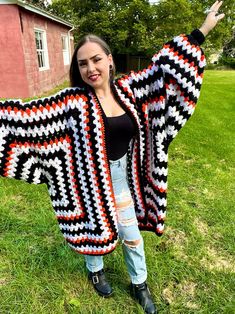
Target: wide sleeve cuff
<point>198,36</point>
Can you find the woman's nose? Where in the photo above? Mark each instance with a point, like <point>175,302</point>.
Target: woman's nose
<point>90,67</point>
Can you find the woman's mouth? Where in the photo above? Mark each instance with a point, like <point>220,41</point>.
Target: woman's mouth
<point>94,77</point>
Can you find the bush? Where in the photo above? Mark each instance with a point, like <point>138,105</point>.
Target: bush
<point>211,66</point>
<point>227,61</point>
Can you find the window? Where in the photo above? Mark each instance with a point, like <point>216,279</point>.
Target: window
<point>65,49</point>
<point>41,46</point>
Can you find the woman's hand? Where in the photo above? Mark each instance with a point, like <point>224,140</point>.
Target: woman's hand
<point>212,18</point>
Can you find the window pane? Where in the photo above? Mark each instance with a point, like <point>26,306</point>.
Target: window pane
<point>37,40</point>
<point>65,49</point>
<point>63,43</point>
<point>41,48</point>
<point>38,59</point>
<point>40,41</point>
<point>43,59</point>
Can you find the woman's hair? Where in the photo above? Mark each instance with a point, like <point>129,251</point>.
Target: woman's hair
<point>74,73</point>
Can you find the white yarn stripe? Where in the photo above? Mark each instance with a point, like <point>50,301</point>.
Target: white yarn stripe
<point>94,249</point>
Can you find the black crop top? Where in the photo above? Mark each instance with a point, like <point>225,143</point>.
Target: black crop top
<point>119,132</point>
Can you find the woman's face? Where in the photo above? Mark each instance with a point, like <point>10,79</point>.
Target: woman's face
<point>94,65</point>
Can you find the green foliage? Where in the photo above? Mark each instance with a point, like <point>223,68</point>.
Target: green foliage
<point>173,18</point>
<point>128,26</point>
<point>223,32</point>
<point>38,3</point>
<point>227,61</point>
<point>136,27</point>
<point>228,56</point>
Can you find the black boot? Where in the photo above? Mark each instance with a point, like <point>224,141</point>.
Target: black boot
<point>100,283</point>
<point>142,294</point>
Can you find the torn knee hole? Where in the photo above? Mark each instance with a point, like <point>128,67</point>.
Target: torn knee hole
<point>132,244</point>
<point>127,222</point>
<point>124,204</point>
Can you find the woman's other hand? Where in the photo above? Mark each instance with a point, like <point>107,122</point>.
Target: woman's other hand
<point>212,18</point>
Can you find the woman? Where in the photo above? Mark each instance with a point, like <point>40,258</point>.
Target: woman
<point>101,147</point>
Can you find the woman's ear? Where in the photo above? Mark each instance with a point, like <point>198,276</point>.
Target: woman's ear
<point>110,57</point>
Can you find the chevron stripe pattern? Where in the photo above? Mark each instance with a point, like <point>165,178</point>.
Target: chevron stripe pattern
<point>60,141</point>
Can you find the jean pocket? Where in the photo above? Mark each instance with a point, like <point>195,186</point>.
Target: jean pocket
<point>124,165</point>
<point>117,173</point>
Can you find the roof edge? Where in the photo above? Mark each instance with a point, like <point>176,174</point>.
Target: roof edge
<point>37,10</point>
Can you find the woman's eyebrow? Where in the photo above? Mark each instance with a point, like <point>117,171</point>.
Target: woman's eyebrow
<point>80,60</point>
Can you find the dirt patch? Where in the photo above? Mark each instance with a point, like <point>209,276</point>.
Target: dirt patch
<point>217,260</point>
<point>201,226</point>
<point>209,194</point>
<point>207,166</point>
<point>178,240</point>
<point>188,288</point>
<point>192,306</point>
<point>176,237</point>
<point>181,293</point>
<point>3,282</point>
<point>168,295</point>
<point>17,197</point>
<point>190,161</point>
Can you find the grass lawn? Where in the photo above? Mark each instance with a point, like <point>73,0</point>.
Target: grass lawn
<point>190,269</point>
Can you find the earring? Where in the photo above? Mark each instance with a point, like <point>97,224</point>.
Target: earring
<point>110,70</point>
<point>111,74</point>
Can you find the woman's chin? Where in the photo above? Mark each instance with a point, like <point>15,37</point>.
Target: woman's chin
<point>98,85</point>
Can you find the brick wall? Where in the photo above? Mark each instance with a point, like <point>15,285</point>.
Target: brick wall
<point>13,82</point>
<point>41,81</point>
<point>20,75</point>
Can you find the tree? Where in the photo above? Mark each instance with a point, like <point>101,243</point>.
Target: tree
<point>172,18</point>
<point>38,3</point>
<point>228,55</point>
<point>223,32</point>
<point>137,27</point>
<point>126,25</point>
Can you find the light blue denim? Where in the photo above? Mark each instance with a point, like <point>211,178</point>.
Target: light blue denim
<point>128,230</point>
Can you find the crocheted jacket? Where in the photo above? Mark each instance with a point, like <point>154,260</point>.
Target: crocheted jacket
<point>60,141</point>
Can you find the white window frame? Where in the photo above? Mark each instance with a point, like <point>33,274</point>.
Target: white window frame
<point>43,51</point>
<point>65,50</point>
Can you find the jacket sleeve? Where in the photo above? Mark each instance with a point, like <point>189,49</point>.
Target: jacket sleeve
<point>27,131</point>
<point>168,90</point>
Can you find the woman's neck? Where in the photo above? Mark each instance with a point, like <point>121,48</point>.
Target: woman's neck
<point>103,92</point>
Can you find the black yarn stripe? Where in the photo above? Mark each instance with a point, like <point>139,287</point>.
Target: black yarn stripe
<point>96,151</point>
<point>181,50</point>
<point>42,101</point>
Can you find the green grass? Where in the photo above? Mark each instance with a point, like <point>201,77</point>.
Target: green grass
<point>190,269</point>
<point>55,90</point>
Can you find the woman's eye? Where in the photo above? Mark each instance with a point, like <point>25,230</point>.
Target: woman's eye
<point>82,64</point>
<point>97,59</point>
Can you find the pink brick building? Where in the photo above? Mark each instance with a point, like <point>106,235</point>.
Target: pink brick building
<point>35,50</point>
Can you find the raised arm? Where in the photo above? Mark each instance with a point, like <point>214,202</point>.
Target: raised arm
<point>167,91</point>
<point>212,18</point>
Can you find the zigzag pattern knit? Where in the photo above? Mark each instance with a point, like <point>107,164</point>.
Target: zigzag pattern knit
<point>60,141</point>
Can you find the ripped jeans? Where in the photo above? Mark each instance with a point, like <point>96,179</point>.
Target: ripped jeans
<point>132,241</point>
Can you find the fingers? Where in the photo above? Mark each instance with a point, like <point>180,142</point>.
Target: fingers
<point>213,7</point>
<point>214,10</point>
<point>220,17</point>
<point>216,6</point>
<point>212,18</point>
<point>219,5</point>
